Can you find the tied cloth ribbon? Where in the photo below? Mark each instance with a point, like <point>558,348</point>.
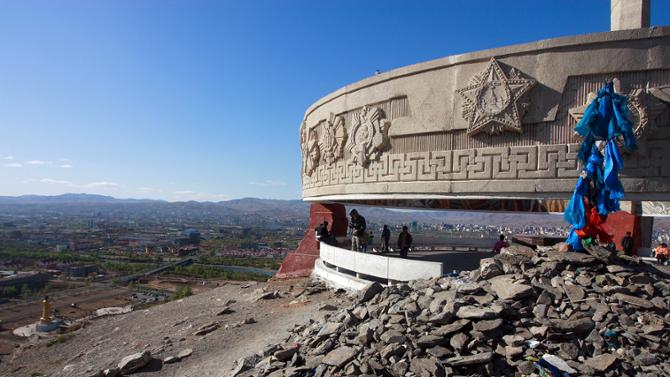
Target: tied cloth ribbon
<point>599,190</point>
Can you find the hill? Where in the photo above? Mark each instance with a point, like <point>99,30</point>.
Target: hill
<point>259,211</point>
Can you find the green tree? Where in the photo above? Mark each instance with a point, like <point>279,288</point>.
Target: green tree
<point>26,291</point>
<point>181,292</point>
<point>9,291</point>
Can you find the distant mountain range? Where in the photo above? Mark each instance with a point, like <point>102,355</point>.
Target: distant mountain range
<point>248,209</point>
<point>68,198</point>
<point>255,210</point>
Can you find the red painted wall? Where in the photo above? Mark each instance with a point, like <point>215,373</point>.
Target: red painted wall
<point>621,222</point>
<point>300,262</point>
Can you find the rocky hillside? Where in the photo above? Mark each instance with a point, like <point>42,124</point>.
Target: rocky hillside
<point>522,313</point>
<point>198,336</point>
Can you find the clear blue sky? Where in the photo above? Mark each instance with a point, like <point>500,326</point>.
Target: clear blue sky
<point>202,100</point>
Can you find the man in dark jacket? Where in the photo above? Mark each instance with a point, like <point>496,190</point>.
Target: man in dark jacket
<point>357,225</point>
<point>322,233</point>
<point>627,242</point>
<point>386,237</point>
<point>404,242</point>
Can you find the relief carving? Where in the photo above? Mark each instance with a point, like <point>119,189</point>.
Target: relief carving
<point>303,146</point>
<point>661,92</point>
<point>492,102</point>
<point>333,139</point>
<point>656,208</point>
<point>643,105</point>
<point>311,153</point>
<point>368,137</point>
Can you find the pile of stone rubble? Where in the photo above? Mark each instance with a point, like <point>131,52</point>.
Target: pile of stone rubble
<point>524,312</point>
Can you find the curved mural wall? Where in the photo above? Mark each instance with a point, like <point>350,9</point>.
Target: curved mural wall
<point>493,124</point>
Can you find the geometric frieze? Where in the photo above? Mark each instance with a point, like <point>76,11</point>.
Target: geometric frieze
<point>492,101</point>
<point>500,163</point>
<point>543,162</point>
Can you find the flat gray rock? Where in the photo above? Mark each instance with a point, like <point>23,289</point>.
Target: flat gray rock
<point>575,293</point>
<point>578,326</point>
<point>370,290</point>
<point>487,326</point>
<point>602,362</point>
<point>185,353</point>
<point>507,289</point>
<point>340,356</point>
<point>480,358</point>
<point>473,312</point>
<point>429,366</point>
<point>578,259</point>
<point>637,301</point>
<point>134,362</point>
<point>451,328</point>
<point>489,267</point>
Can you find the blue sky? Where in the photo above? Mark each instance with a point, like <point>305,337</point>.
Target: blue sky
<point>202,100</point>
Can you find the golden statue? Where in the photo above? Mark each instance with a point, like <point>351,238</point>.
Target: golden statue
<point>46,310</point>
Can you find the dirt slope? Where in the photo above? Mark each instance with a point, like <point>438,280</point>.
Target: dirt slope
<point>169,328</point>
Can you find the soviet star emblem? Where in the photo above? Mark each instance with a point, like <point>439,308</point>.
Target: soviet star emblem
<point>491,101</point>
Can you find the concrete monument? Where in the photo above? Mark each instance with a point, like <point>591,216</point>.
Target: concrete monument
<point>494,129</point>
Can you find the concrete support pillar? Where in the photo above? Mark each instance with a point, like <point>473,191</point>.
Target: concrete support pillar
<point>629,14</point>
<point>300,262</point>
<point>641,227</point>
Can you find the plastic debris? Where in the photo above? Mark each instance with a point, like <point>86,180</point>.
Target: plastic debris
<point>556,365</point>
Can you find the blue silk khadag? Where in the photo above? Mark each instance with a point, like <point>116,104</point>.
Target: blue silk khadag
<point>605,119</point>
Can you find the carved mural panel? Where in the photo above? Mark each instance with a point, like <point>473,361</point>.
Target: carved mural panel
<point>644,106</point>
<point>656,208</point>
<point>311,151</point>
<point>354,146</point>
<point>492,101</point>
<point>333,138</point>
<point>368,136</point>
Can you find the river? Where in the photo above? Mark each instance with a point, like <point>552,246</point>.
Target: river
<point>255,270</point>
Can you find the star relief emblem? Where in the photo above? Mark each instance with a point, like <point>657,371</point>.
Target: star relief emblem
<point>491,100</point>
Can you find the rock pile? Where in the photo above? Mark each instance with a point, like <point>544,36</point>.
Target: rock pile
<point>523,312</point>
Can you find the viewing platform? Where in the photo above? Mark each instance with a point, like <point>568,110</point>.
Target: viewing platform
<point>348,269</point>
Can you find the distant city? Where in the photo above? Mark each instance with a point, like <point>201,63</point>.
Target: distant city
<point>89,252</point>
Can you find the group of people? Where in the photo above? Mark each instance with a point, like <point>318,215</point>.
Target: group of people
<point>362,238</point>
<point>660,252</point>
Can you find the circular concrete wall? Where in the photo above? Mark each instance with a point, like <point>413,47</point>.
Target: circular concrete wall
<point>493,124</point>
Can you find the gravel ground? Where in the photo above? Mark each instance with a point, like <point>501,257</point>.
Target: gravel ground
<point>167,329</point>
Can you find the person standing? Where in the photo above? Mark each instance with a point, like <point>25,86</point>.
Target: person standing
<point>627,242</point>
<point>322,231</point>
<point>386,237</point>
<point>404,242</point>
<point>364,240</point>
<point>500,244</point>
<point>357,226</point>
<point>662,253</point>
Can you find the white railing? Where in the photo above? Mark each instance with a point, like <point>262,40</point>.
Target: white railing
<point>379,266</point>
